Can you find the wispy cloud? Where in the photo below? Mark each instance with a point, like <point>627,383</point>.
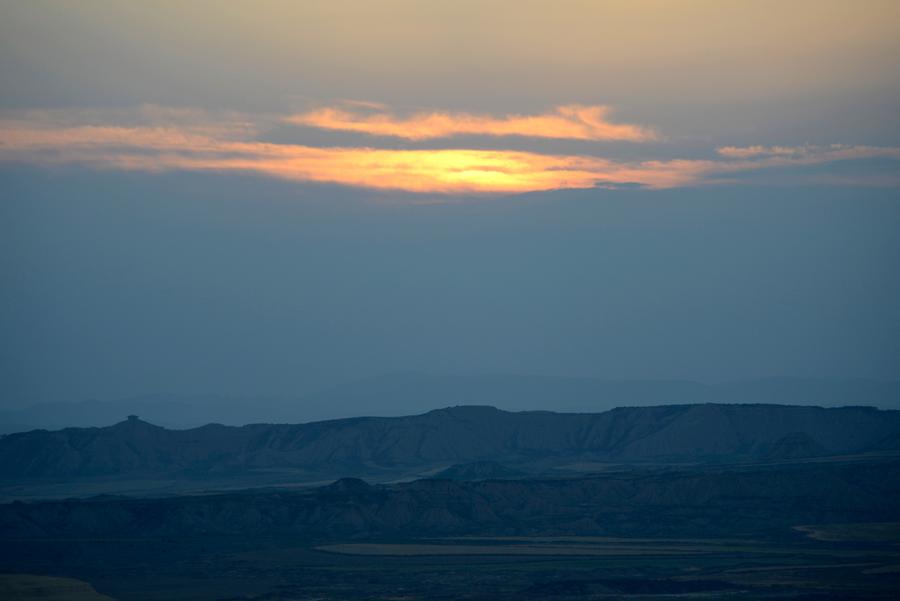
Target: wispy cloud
<point>448,170</point>
<point>808,153</point>
<point>571,122</point>
<point>161,140</point>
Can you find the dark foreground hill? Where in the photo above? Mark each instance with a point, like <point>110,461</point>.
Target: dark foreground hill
<point>456,435</point>
<point>690,502</point>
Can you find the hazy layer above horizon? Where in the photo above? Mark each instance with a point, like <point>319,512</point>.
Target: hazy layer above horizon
<point>127,284</point>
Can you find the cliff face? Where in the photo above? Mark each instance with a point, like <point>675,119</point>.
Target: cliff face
<point>455,435</point>
<point>687,502</point>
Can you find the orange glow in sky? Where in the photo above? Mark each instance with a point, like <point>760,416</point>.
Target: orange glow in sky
<point>529,96</point>
<point>572,122</point>
<point>200,144</point>
<point>444,170</point>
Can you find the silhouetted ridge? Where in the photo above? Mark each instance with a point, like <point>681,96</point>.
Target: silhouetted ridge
<point>467,411</point>
<point>134,423</point>
<point>408,393</point>
<point>456,435</point>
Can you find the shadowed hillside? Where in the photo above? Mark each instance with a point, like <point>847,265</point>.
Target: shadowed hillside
<point>684,502</point>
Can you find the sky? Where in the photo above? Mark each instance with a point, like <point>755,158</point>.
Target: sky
<point>270,197</point>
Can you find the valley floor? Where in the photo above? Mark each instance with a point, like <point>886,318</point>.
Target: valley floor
<point>856,562</point>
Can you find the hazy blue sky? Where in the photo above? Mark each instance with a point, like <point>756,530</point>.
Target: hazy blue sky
<point>119,284</point>
<point>267,197</point>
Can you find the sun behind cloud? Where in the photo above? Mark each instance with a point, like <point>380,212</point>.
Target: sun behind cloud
<point>163,139</point>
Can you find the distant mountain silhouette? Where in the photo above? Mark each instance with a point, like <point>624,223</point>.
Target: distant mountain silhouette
<point>416,392</point>
<point>410,393</point>
<point>674,433</point>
